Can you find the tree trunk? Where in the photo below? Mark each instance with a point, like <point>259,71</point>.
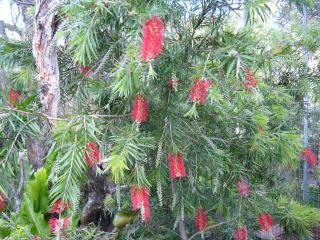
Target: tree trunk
<point>45,54</point>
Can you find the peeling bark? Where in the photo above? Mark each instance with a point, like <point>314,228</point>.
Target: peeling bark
<point>45,54</point>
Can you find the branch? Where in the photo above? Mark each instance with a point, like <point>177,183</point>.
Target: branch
<point>18,193</point>
<point>10,27</point>
<point>210,227</point>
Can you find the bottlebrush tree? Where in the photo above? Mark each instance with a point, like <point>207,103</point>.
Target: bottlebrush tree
<point>171,126</point>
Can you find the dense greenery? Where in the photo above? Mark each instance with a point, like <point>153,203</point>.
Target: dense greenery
<point>238,133</point>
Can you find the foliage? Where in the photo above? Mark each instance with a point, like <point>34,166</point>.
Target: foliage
<point>235,133</point>
<point>297,219</point>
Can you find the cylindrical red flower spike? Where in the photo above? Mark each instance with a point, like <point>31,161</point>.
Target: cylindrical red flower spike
<point>36,238</point>
<point>153,38</point>
<point>250,80</point>
<point>176,165</point>
<point>140,200</point>
<point>310,157</point>
<point>14,97</point>
<point>199,90</point>
<point>2,201</point>
<point>92,153</point>
<point>58,225</point>
<point>139,109</point>
<point>201,219</point>
<point>265,221</point>
<point>240,233</point>
<point>243,187</point>
<point>59,207</point>
<point>84,69</point>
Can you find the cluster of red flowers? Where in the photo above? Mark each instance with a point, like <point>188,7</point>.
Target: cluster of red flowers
<point>250,81</point>
<point>140,200</point>
<point>58,225</point>
<point>153,38</point>
<point>84,69</point>
<point>199,90</point>
<point>240,233</point>
<point>265,221</point>
<point>310,157</point>
<point>176,165</point>
<point>2,202</point>
<point>92,153</point>
<point>14,97</point>
<point>139,109</point>
<point>243,187</point>
<point>201,219</point>
<point>59,207</point>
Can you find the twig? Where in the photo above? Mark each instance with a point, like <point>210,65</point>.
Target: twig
<point>18,193</point>
<point>64,119</point>
<point>210,227</point>
<point>109,116</point>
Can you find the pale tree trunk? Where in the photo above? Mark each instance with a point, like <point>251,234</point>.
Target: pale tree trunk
<point>45,55</point>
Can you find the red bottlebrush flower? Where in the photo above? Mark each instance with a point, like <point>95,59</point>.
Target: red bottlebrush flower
<point>174,83</point>
<point>57,225</point>
<point>36,238</point>
<point>153,38</point>
<point>243,187</point>
<point>176,165</point>
<point>250,80</point>
<point>310,157</point>
<point>201,219</point>
<point>84,70</point>
<point>2,202</point>
<point>199,90</point>
<point>59,207</point>
<point>140,200</point>
<point>139,109</point>
<point>240,233</point>
<point>14,97</point>
<point>265,221</point>
<point>92,153</point>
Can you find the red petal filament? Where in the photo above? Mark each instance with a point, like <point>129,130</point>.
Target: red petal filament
<point>310,157</point>
<point>2,202</point>
<point>250,80</point>
<point>243,187</point>
<point>57,225</point>
<point>139,109</point>
<point>199,90</point>
<point>176,165</point>
<point>153,38</point>
<point>240,233</point>
<point>140,200</point>
<point>58,207</point>
<point>14,97</point>
<point>92,153</point>
<point>201,219</point>
<point>84,69</point>
<point>265,221</point>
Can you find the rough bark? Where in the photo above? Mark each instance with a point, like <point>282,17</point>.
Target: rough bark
<point>45,54</point>
<point>94,210</point>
